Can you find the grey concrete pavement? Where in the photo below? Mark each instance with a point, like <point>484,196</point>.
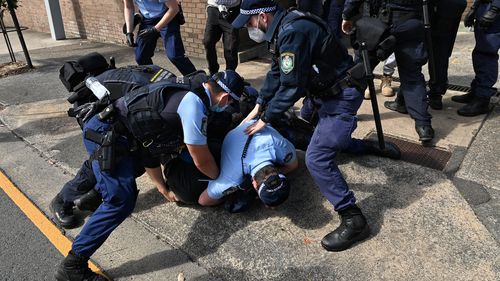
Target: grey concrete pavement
<point>131,253</point>
<point>30,256</point>
<point>426,225</point>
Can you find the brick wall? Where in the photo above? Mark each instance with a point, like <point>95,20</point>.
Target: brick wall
<point>32,14</point>
<point>102,20</point>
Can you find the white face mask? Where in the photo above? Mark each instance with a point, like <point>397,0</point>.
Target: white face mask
<point>255,33</point>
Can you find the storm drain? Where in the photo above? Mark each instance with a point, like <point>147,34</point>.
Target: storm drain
<point>431,157</point>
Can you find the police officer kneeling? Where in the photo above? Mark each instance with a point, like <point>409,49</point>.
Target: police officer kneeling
<point>155,118</point>
<point>311,60</point>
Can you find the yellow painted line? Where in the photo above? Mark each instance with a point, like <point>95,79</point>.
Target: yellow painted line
<point>61,242</point>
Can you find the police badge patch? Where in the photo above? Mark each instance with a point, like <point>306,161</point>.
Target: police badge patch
<point>287,62</point>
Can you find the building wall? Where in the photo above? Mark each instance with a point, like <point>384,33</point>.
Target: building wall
<point>102,20</point>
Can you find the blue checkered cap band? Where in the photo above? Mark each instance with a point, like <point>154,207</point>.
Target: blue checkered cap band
<point>225,87</point>
<point>258,10</point>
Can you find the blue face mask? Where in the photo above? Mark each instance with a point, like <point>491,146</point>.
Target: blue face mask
<point>218,108</point>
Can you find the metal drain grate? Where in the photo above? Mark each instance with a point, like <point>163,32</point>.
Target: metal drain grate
<point>415,153</point>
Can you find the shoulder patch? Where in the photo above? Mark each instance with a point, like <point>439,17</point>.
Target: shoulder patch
<point>288,157</point>
<point>287,62</point>
<point>204,125</point>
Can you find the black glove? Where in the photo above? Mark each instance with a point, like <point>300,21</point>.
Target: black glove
<point>469,18</point>
<point>130,39</point>
<point>487,20</point>
<point>149,33</point>
<point>86,111</point>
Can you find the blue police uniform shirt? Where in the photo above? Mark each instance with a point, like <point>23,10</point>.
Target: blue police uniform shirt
<point>152,8</point>
<point>266,147</point>
<point>193,114</point>
<point>287,81</point>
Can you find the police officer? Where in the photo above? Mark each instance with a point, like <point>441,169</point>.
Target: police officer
<point>157,117</point>
<point>298,69</point>
<point>266,157</point>
<point>220,14</point>
<point>445,19</point>
<point>405,19</point>
<point>484,16</point>
<point>80,191</point>
<point>159,20</point>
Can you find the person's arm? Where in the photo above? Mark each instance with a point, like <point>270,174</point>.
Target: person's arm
<point>206,200</point>
<point>173,9</point>
<point>287,168</point>
<point>295,67</point>
<point>128,14</point>
<point>271,83</point>
<point>252,114</point>
<point>156,176</point>
<point>203,160</point>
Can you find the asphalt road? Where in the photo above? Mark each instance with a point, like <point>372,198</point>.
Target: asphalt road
<point>25,253</point>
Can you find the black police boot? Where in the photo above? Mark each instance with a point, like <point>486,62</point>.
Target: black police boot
<point>465,98</point>
<point>75,267</point>
<point>476,106</point>
<point>89,201</point>
<point>391,150</point>
<point>353,228</point>
<point>397,105</point>
<point>63,214</point>
<point>435,101</point>
<point>425,133</point>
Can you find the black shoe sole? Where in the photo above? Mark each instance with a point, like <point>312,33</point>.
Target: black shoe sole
<point>360,237</point>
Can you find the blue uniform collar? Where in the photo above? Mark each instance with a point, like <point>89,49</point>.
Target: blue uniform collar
<point>271,31</point>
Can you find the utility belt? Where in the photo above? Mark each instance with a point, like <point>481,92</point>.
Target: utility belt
<point>389,15</point>
<point>355,78</point>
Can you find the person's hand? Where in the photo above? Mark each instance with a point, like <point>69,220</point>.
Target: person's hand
<point>86,111</point>
<point>169,195</point>
<point>470,17</point>
<point>130,39</point>
<point>148,33</point>
<point>252,113</point>
<point>346,26</point>
<point>487,20</point>
<point>255,127</point>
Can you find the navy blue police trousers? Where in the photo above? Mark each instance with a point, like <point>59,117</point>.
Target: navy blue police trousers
<point>118,190</point>
<point>333,134</point>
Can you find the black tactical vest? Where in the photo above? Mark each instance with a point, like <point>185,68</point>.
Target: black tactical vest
<point>152,112</point>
